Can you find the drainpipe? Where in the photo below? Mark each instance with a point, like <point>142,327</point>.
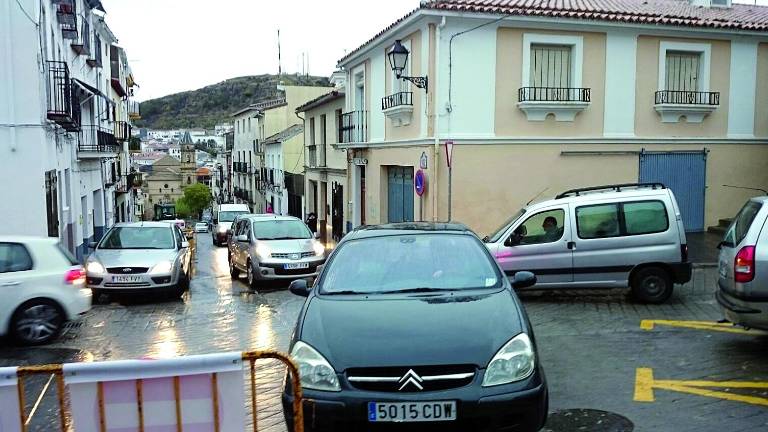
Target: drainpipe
<point>436,122</point>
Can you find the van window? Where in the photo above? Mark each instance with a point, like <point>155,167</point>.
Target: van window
<point>598,221</point>
<point>544,227</point>
<point>645,217</point>
<point>741,223</point>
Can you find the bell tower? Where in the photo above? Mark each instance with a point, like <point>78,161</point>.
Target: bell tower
<point>188,161</point>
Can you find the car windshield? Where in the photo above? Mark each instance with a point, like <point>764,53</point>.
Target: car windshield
<point>229,216</point>
<point>281,230</point>
<point>498,233</point>
<point>428,262</point>
<point>138,238</point>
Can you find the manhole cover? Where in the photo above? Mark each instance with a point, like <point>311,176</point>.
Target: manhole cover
<point>587,420</point>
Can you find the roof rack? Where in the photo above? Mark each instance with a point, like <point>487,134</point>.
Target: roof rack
<point>613,187</point>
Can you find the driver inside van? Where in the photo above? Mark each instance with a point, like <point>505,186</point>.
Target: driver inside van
<point>551,231</point>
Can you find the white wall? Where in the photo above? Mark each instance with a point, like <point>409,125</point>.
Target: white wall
<point>621,55</point>
<point>741,103</point>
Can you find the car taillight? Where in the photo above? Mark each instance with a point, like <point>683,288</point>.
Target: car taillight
<point>744,264</point>
<point>75,276</point>
<point>684,252</point>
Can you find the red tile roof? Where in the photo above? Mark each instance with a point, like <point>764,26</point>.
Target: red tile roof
<point>656,12</point>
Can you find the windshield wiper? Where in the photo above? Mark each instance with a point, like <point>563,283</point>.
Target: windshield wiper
<point>415,290</point>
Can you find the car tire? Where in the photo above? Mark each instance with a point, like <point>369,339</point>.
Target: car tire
<point>234,273</point>
<point>251,277</point>
<point>37,322</point>
<point>652,285</point>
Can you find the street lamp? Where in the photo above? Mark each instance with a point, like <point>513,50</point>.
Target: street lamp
<point>398,59</point>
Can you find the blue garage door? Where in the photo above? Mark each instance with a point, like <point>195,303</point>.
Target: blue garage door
<point>400,194</point>
<point>685,174</point>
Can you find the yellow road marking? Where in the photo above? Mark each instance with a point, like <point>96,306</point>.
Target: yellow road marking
<point>645,384</point>
<point>699,325</point>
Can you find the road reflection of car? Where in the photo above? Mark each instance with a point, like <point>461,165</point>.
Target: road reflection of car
<point>201,227</point>
<point>41,287</point>
<point>416,323</point>
<point>269,247</point>
<point>743,269</point>
<point>140,257</point>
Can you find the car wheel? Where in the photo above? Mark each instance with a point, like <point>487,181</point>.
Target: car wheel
<point>652,285</point>
<point>251,277</point>
<point>37,322</point>
<point>234,273</point>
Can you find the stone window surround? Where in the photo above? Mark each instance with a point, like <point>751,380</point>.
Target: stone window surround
<point>673,113</point>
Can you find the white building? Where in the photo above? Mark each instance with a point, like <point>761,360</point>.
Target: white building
<point>246,157</point>
<point>64,121</point>
<point>174,150</point>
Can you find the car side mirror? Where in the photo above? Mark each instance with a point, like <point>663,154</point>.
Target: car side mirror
<point>242,238</point>
<point>93,245</point>
<point>184,244</point>
<point>523,279</point>
<point>299,287</point>
<point>316,235</point>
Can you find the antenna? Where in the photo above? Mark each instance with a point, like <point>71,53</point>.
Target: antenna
<point>279,61</point>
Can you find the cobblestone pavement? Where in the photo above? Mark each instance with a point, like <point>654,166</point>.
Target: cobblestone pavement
<point>591,345</point>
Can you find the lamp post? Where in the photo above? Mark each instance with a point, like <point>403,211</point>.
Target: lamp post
<point>398,59</point>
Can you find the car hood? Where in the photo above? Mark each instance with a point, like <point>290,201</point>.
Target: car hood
<point>133,257</point>
<point>289,246</point>
<point>411,330</point>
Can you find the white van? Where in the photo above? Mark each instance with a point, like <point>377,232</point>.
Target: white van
<point>222,221</point>
<point>599,237</point>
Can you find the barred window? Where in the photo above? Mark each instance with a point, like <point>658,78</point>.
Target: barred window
<point>550,66</point>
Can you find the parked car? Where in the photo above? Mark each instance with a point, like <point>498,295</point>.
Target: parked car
<point>140,257</point>
<point>201,227</point>
<point>41,287</point>
<point>222,221</point>
<point>416,322</point>
<point>600,237</point>
<point>270,247</point>
<point>743,267</point>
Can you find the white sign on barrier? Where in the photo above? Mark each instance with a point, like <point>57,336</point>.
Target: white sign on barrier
<point>158,390</point>
<point>9,400</point>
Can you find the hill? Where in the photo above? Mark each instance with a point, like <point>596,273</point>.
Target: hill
<point>212,104</point>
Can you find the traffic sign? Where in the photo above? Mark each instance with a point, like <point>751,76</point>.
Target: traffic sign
<point>420,183</point>
<point>448,152</point>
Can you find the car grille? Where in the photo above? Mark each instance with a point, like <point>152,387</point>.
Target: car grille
<point>131,270</point>
<point>287,255</point>
<point>398,379</point>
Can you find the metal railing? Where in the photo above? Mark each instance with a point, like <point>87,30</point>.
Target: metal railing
<point>122,131</point>
<point>312,151</point>
<point>134,110</point>
<point>97,139</point>
<point>554,94</point>
<point>63,103</point>
<point>66,12</point>
<point>353,127</point>
<point>397,99</point>
<point>687,97</point>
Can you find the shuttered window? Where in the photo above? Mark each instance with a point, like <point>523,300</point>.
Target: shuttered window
<point>550,66</point>
<point>682,72</point>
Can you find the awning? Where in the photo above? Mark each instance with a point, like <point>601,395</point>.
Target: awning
<point>92,90</point>
<point>95,4</point>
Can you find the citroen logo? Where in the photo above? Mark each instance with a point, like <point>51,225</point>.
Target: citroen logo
<point>127,270</point>
<point>412,378</point>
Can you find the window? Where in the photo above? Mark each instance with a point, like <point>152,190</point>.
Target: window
<point>312,131</point>
<point>682,71</point>
<point>249,124</point>
<point>138,238</point>
<point>544,227</point>
<point>14,258</point>
<point>645,217</point>
<point>550,66</point>
<point>179,235</point>
<point>621,219</point>
<point>741,223</point>
<point>598,221</point>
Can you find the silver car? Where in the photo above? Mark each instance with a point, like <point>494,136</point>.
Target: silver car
<point>140,257</point>
<point>269,247</point>
<point>743,267</point>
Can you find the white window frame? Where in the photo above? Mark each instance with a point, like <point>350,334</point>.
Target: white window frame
<point>704,50</point>
<point>577,54</point>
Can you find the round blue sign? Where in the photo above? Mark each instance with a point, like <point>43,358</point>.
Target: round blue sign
<point>420,183</point>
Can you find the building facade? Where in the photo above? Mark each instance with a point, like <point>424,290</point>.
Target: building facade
<point>533,100</point>
<point>164,185</point>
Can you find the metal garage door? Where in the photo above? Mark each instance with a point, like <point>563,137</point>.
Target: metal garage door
<point>685,174</point>
<point>400,194</point>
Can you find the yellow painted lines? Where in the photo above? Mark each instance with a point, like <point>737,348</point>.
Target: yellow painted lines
<point>645,384</point>
<point>699,325</point>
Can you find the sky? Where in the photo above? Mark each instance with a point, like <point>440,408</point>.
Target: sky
<point>179,45</point>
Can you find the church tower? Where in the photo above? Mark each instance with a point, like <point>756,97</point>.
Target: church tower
<point>188,161</point>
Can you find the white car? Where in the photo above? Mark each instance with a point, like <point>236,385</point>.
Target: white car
<point>41,287</point>
<point>201,227</point>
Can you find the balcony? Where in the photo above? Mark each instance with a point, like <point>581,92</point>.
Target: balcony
<point>561,102</point>
<point>66,12</point>
<point>354,127</point>
<point>690,106</point>
<point>82,45</point>
<point>398,107</point>
<point>96,142</point>
<point>63,103</point>
<point>122,131</point>
<point>116,74</point>
<point>134,113</point>
<point>94,59</point>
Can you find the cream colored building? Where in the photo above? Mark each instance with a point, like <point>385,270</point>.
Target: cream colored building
<point>163,185</point>
<point>325,165</point>
<point>539,100</point>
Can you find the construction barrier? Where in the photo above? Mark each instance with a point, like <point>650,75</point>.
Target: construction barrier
<point>204,392</point>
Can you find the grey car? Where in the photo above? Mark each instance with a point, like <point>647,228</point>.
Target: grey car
<point>140,257</point>
<point>269,247</point>
<point>743,267</point>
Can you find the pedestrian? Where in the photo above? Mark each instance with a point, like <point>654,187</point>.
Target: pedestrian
<point>312,222</point>
<point>269,208</point>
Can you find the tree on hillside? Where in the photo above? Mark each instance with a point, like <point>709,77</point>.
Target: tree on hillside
<point>197,198</point>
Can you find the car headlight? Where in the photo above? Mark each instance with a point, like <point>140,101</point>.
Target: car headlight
<point>318,247</point>
<point>162,267</point>
<point>263,251</point>
<point>514,361</point>
<point>314,370</point>
<point>95,267</point>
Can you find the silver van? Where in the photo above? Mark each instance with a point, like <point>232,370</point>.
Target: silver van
<point>610,236</point>
<point>743,267</point>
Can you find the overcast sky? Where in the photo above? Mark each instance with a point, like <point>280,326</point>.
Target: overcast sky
<point>178,45</point>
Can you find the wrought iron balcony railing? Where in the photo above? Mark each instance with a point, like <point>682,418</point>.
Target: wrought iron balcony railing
<point>397,99</point>
<point>63,103</point>
<point>96,139</point>
<point>353,127</point>
<point>687,97</point>
<point>554,94</point>
<point>122,131</point>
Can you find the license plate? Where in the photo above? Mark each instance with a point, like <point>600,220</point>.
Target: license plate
<point>126,279</point>
<point>294,266</point>
<point>411,411</point>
